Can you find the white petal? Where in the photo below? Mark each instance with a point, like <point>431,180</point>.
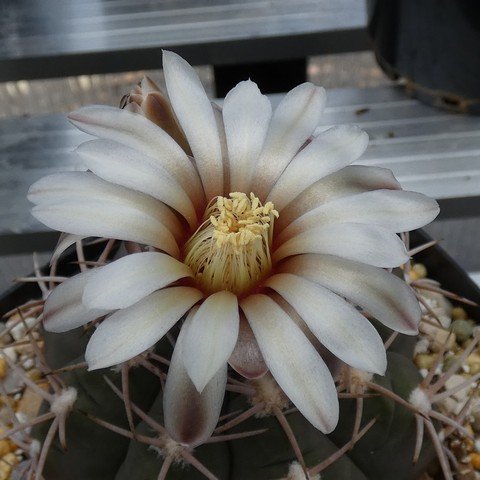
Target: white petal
<point>211,337</point>
<point>66,240</point>
<point>336,323</point>
<point>131,331</point>
<point>82,204</point>
<point>246,115</point>
<point>125,166</point>
<point>363,243</point>
<point>127,280</point>
<point>330,151</point>
<point>64,309</point>
<point>293,121</point>
<point>191,417</point>
<point>396,210</point>
<point>195,115</point>
<point>388,298</point>
<point>295,364</point>
<point>348,181</point>
<point>141,134</point>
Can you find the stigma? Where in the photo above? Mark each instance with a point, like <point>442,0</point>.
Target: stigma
<point>231,248</point>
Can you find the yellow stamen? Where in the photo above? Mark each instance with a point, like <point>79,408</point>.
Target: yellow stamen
<point>231,249</point>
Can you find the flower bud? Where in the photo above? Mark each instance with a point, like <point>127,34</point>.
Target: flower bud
<point>147,99</point>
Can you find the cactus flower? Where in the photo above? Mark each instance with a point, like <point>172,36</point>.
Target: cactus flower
<point>259,233</point>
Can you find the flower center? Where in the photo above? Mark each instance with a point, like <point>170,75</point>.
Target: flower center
<point>231,249</point>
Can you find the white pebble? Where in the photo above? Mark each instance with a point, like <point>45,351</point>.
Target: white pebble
<point>20,329</point>
<point>21,417</point>
<point>11,353</point>
<point>453,382</point>
<point>445,321</point>
<point>28,363</point>
<point>421,346</point>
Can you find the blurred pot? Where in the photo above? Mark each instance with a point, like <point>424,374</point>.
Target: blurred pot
<point>433,46</point>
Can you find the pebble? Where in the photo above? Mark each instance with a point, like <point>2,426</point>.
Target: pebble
<point>463,329</point>
<point>28,363</point>
<point>22,418</point>
<point>424,360</point>
<point>438,303</point>
<point>455,380</point>
<point>29,404</point>
<point>413,275</point>
<point>19,329</point>
<point>420,270</point>
<point>423,372</point>
<point>440,337</point>
<point>445,320</point>
<point>6,445</point>
<point>473,361</point>
<point>475,460</point>
<point>421,346</point>
<point>34,374</point>
<point>11,353</point>
<point>448,361</point>
<point>459,313</point>
<point>7,463</point>
<point>3,368</point>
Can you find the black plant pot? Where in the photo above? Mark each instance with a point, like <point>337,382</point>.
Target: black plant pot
<point>433,45</point>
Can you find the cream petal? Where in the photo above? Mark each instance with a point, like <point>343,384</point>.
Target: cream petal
<point>363,243</point>
<point>293,121</point>
<point>388,298</point>
<point>128,279</point>
<point>80,186</point>
<point>292,360</point>
<point>246,358</point>
<point>333,363</point>
<point>125,166</point>
<point>190,417</point>
<point>210,337</point>
<point>195,115</point>
<point>66,240</point>
<point>329,152</point>
<point>141,134</point>
<point>217,110</point>
<point>336,323</point>
<point>348,181</point>
<point>246,115</point>
<point>121,222</point>
<point>395,210</point>
<point>131,331</point>
<point>64,309</point>
<point>82,204</point>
